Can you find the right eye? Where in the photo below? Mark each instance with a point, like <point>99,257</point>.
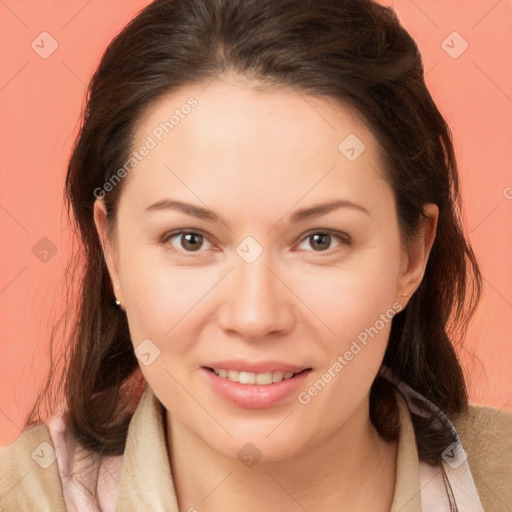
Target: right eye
<point>188,241</point>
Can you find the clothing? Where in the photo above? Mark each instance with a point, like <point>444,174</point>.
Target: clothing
<point>141,479</point>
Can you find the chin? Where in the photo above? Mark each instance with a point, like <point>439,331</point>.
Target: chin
<point>266,442</point>
<point>258,450</point>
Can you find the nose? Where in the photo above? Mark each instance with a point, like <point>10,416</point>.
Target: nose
<point>256,302</point>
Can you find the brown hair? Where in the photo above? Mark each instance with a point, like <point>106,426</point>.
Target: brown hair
<point>354,51</point>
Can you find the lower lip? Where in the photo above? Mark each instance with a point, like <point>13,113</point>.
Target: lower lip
<point>254,396</point>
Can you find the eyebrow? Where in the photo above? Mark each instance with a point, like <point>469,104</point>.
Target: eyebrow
<point>311,212</point>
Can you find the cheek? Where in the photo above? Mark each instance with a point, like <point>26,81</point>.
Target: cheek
<point>162,307</point>
<point>351,298</point>
<point>356,303</point>
<point>360,318</point>
<point>160,301</point>
<point>156,291</point>
<point>361,323</point>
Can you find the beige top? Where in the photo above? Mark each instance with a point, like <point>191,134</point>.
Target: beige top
<point>31,478</point>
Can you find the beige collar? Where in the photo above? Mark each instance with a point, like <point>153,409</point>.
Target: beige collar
<point>146,477</point>
<point>407,497</point>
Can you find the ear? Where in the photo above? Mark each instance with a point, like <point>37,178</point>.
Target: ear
<point>108,245</point>
<point>414,260</point>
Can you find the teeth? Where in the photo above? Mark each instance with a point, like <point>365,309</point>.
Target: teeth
<point>264,378</point>
<point>277,376</point>
<point>247,378</point>
<point>253,378</point>
<point>234,375</point>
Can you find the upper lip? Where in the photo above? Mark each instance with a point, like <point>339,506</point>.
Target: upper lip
<point>256,366</point>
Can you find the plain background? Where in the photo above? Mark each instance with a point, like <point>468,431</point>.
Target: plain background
<point>40,104</point>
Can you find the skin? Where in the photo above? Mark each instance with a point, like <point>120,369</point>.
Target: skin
<point>254,156</point>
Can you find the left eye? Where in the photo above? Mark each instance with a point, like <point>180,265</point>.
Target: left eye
<point>322,240</point>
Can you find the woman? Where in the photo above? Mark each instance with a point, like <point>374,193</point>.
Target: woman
<point>300,356</point>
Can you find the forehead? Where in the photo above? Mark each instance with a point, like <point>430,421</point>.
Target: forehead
<point>229,109</point>
<point>231,139</point>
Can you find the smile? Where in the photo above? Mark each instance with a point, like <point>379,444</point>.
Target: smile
<point>263,379</point>
<point>261,389</point>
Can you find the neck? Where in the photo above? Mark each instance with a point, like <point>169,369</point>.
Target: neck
<point>353,469</point>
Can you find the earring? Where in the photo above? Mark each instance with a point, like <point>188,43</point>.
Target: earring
<point>117,302</point>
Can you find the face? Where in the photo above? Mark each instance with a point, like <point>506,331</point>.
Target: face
<point>228,269</point>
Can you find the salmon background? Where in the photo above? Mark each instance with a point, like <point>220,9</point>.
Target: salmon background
<point>40,103</point>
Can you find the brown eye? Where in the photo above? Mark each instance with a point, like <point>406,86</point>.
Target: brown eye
<point>191,241</point>
<point>321,241</point>
<point>188,241</point>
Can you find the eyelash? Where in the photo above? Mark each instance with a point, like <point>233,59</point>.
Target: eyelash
<point>342,237</point>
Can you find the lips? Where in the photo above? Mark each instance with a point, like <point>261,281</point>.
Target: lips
<point>254,385</point>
